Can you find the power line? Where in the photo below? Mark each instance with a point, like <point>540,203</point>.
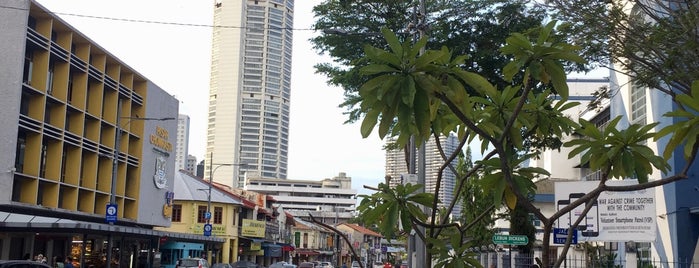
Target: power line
<point>161,22</point>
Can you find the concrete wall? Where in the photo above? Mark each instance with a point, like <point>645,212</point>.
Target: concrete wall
<point>12,40</point>
<point>159,104</point>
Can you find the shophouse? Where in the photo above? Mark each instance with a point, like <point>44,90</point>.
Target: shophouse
<point>366,243</point>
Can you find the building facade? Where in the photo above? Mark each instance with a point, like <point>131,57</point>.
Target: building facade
<point>366,243</point>
<point>396,167</point>
<point>331,201</point>
<point>182,149</point>
<point>312,243</point>
<point>250,89</point>
<point>191,165</point>
<point>677,204</point>
<point>190,204</point>
<point>85,142</point>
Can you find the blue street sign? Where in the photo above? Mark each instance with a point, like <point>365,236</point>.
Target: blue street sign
<point>560,235</point>
<point>207,215</point>
<point>207,229</point>
<point>111,215</point>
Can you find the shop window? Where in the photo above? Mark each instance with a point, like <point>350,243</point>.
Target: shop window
<point>201,213</point>
<point>218,215</point>
<point>176,213</point>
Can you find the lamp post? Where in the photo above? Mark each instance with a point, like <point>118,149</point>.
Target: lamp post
<point>212,170</point>
<point>115,163</point>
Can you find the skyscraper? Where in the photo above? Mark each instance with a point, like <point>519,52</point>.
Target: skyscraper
<point>248,127</point>
<point>396,166</point>
<point>182,147</point>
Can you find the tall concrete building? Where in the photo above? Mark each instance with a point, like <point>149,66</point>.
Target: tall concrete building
<point>250,90</point>
<point>182,151</point>
<point>191,165</point>
<point>396,166</point>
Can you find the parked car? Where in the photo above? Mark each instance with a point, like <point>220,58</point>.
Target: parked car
<point>355,264</point>
<point>326,264</point>
<point>282,264</point>
<point>22,264</point>
<point>192,263</point>
<point>377,264</point>
<point>222,265</point>
<point>307,265</point>
<point>245,264</point>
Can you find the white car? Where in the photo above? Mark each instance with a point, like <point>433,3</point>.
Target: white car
<point>326,264</point>
<point>377,264</point>
<point>355,264</point>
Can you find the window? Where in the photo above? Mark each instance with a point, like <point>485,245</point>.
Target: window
<point>638,104</point>
<point>28,66</point>
<point>200,214</point>
<point>177,213</point>
<point>19,152</point>
<point>218,215</point>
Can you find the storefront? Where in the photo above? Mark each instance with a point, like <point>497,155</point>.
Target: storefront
<point>23,236</point>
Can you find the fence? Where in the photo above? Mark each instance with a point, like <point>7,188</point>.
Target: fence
<point>503,259</point>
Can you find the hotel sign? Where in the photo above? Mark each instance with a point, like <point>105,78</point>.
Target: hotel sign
<point>253,228</point>
<point>160,139</point>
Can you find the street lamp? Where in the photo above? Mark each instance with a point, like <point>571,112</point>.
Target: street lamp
<point>115,163</point>
<point>212,169</point>
<point>117,144</point>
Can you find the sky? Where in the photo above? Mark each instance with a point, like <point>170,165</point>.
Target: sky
<point>176,56</point>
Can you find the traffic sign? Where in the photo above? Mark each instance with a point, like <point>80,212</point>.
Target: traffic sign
<point>207,229</point>
<point>561,234</point>
<point>207,215</point>
<point>111,215</point>
<point>517,240</point>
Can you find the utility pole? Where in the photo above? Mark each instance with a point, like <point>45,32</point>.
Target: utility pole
<point>419,167</point>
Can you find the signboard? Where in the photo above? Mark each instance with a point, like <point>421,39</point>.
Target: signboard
<point>516,240</point>
<point>561,234</point>
<point>253,228</point>
<point>207,229</point>
<point>614,216</point>
<point>111,215</point>
<point>207,215</point>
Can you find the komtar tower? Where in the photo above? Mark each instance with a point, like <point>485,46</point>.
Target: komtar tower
<point>249,97</point>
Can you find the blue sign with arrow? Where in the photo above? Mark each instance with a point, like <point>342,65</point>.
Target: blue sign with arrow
<point>207,229</point>
<point>111,215</point>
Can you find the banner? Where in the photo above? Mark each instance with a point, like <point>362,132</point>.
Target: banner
<point>614,216</point>
<point>253,228</point>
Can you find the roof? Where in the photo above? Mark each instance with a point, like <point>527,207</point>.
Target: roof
<point>187,187</point>
<point>361,229</point>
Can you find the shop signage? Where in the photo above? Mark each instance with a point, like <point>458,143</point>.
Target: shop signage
<point>253,228</point>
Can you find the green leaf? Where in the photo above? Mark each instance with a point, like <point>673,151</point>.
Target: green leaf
<point>376,69</point>
<point>392,40</point>
<point>369,122</point>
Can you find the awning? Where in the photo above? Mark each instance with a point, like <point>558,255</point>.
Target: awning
<point>256,240</point>
<point>23,222</point>
<point>270,245</point>
<point>307,252</point>
<point>287,247</point>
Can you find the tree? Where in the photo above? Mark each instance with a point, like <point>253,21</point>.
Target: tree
<point>404,94</point>
<point>428,95</point>
<point>474,202</point>
<point>655,42</point>
<point>474,27</point>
